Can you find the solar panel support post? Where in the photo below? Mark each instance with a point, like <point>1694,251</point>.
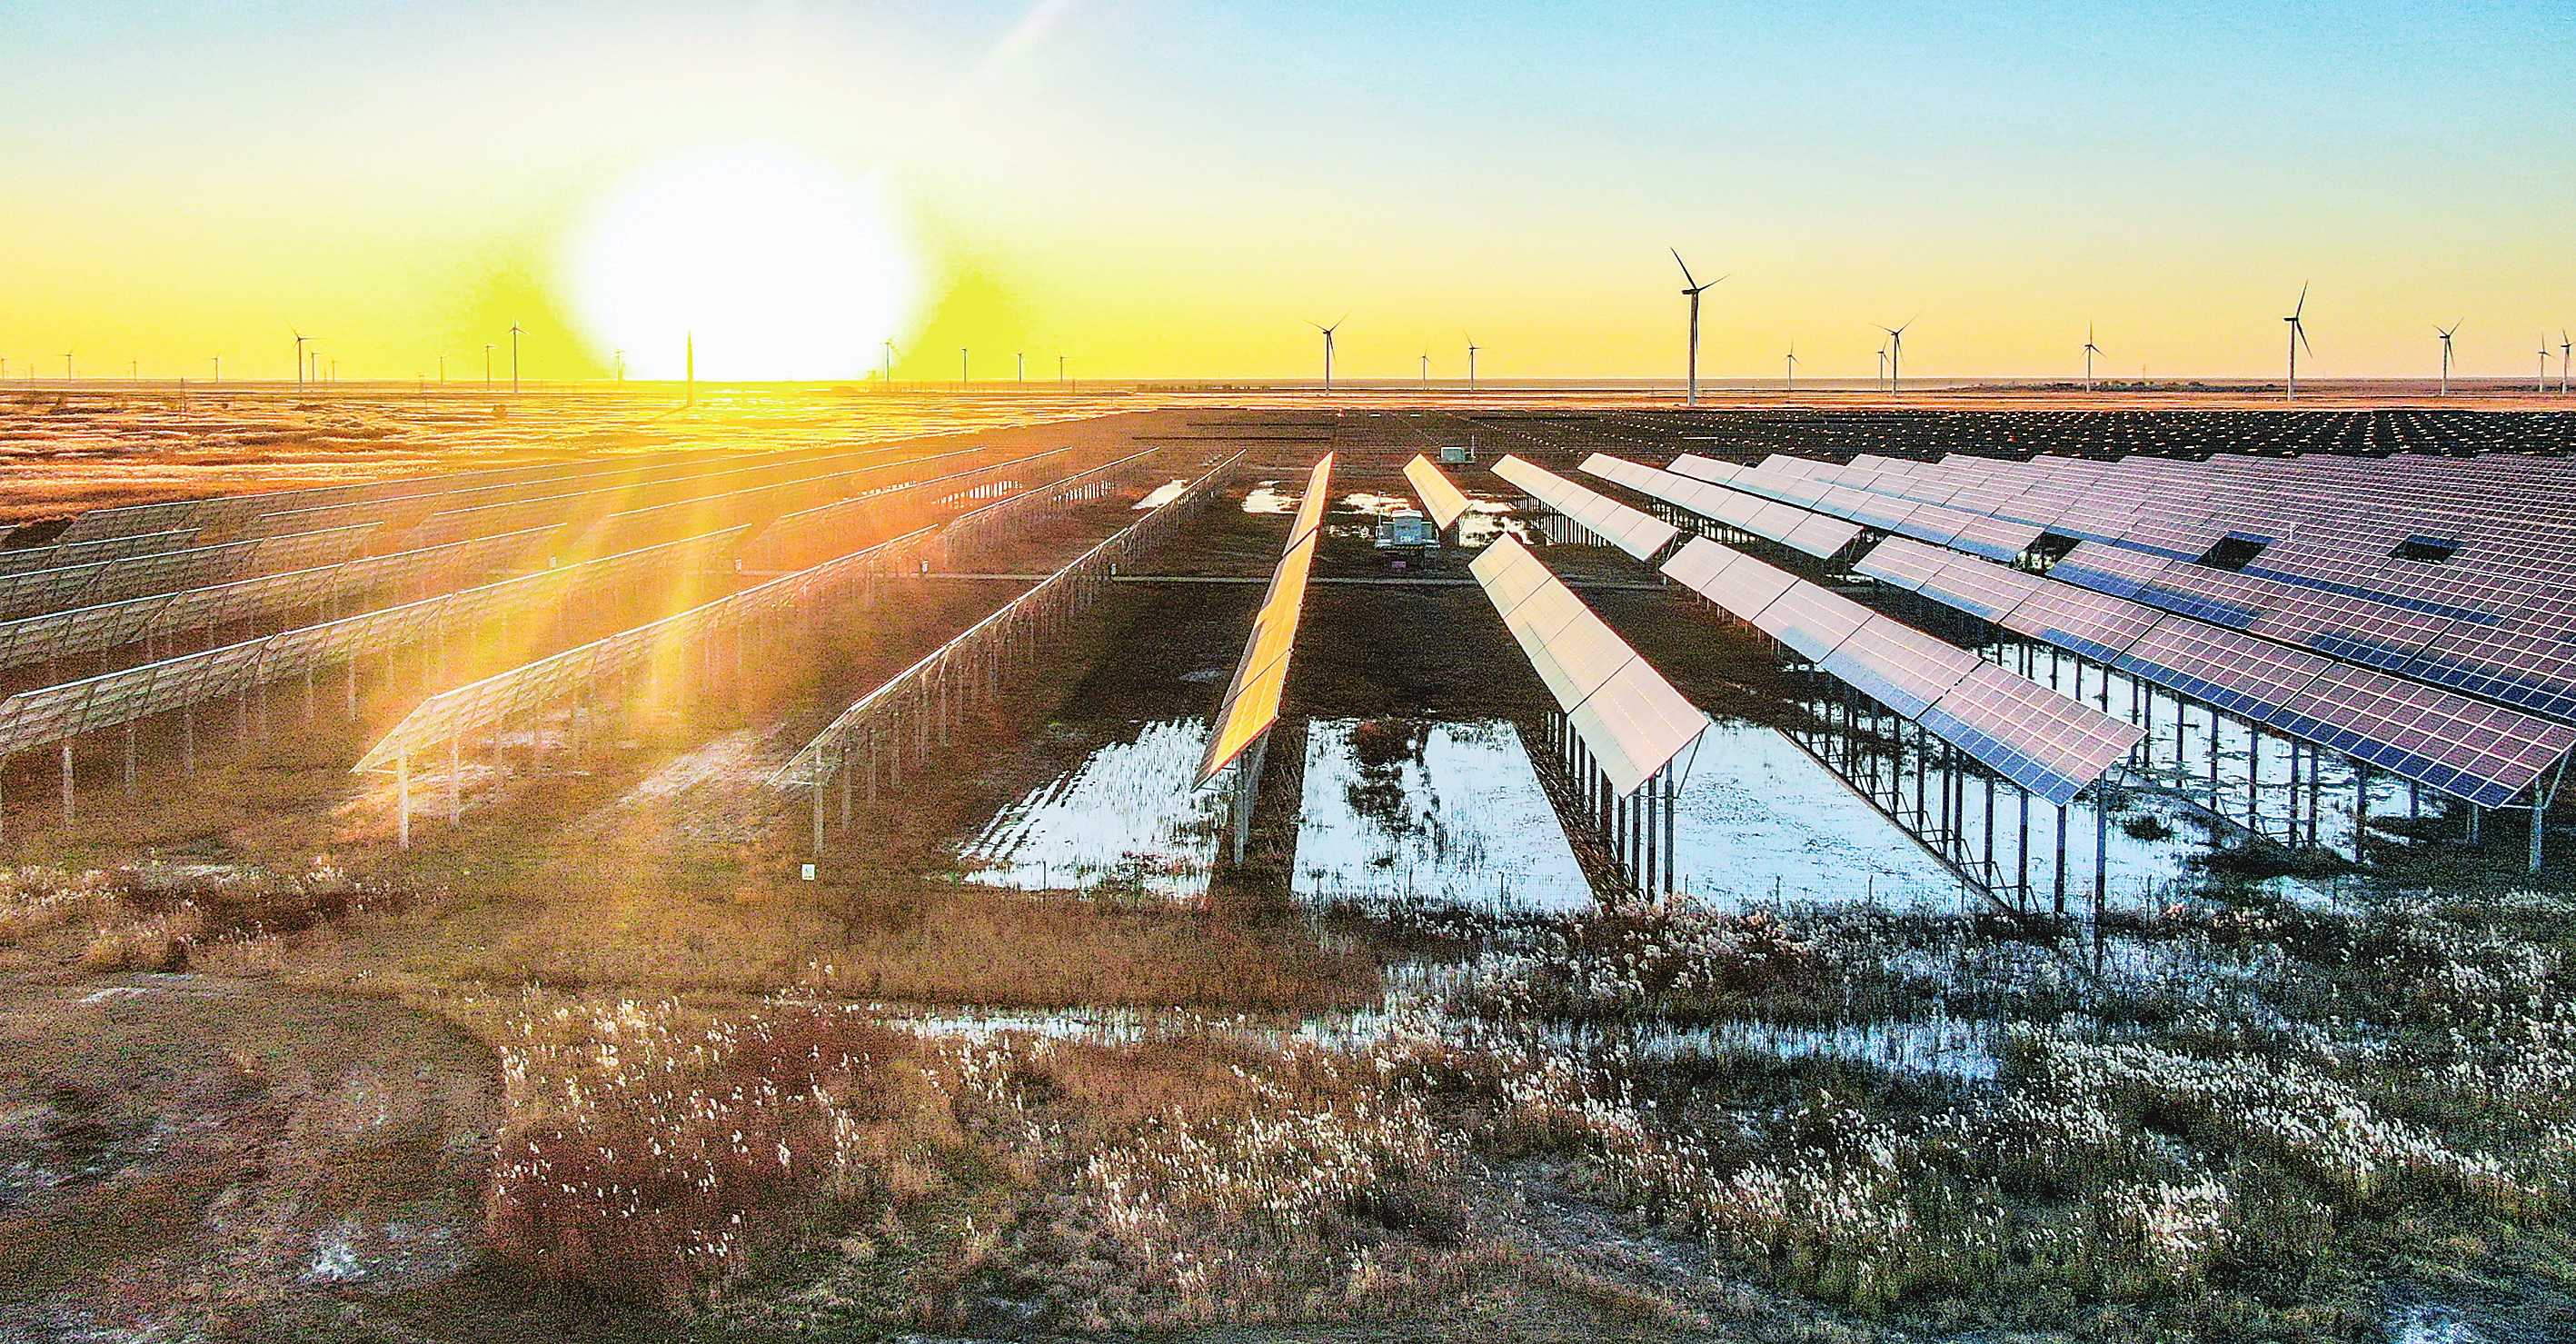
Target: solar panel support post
<point>2360,808</point>
<point>2539,824</point>
<point>402,802</point>
<point>67,781</point>
<point>455,783</point>
<point>2021,854</point>
<point>2472,836</point>
<point>129,759</point>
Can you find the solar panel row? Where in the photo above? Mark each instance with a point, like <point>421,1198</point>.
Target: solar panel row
<point>820,758</point>
<point>2040,740</point>
<point>2380,718</point>
<point>161,616</point>
<point>1787,524</point>
<point>810,536</point>
<point>38,591</point>
<point>1633,720</point>
<point>61,554</point>
<point>1260,679</point>
<point>1638,533</point>
<point>1924,520</point>
<point>1445,503</point>
<point>57,713</point>
<point>511,696</point>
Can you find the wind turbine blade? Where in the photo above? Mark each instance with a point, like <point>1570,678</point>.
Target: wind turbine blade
<point>2303,299</point>
<point>1687,281</point>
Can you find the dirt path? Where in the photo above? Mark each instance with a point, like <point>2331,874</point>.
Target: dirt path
<point>184,1155</point>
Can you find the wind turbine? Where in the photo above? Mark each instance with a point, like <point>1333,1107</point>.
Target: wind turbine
<point>2090,350</point>
<point>2298,337</point>
<point>1426,370</point>
<point>2564,347</point>
<point>1882,366</point>
<point>2445,334</point>
<point>2544,363</point>
<point>487,365</point>
<point>1328,346</point>
<point>1793,366</point>
<point>219,368</point>
<point>1896,356</point>
<point>1471,365</point>
<point>300,339</point>
<point>516,331</point>
<point>1692,289</point>
<point>1024,368</point>
<point>621,366</point>
<point>1059,368</point>
<point>889,364</point>
<point>961,368</point>
<point>67,366</point>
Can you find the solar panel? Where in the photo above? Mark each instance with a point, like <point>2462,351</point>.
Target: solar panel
<point>1310,507</point>
<point>1813,533</point>
<point>2048,744</point>
<point>61,554</point>
<point>1631,719</point>
<point>1252,699</point>
<point>1639,534</point>
<point>1898,667</point>
<point>2478,751</point>
<point>1445,503</point>
<point>2081,622</point>
<point>1736,582</point>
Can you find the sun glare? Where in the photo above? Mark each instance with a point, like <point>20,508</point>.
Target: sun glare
<point>780,266</point>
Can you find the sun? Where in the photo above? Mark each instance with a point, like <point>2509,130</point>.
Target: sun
<point>775,265</point>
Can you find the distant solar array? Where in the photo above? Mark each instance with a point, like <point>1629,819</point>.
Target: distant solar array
<point>2457,572</point>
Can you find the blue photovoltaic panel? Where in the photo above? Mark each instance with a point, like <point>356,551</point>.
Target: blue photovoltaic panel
<point>2478,751</point>
<point>2080,621</point>
<point>2238,673</point>
<point>2038,739</point>
<point>2108,569</point>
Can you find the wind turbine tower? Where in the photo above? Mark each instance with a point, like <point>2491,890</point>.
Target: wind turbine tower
<point>1793,366</point>
<point>1328,346</point>
<point>2445,334</point>
<point>1896,356</point>
<point>2543,385</point>
<point>2565,347</point>
<point>2298,337</point>
<point>1692,289</point>
<point>516,331</point>
<point>300,339</point>
<point>1471,366</point>
<point>487,366</point>
<point>2090,350</point>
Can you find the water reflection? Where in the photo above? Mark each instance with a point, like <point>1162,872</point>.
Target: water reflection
<point>1430,811</point>
<point>1125,820</point>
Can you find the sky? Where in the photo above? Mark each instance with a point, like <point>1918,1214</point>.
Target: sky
<point>1177,188</point>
